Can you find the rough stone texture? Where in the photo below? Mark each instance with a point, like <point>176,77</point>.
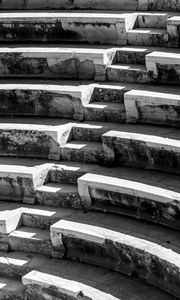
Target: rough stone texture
<point>64,27</point>
<point>142,201</point>
<point>121,252</point>
<point>54,63</point>
<point>68,4</point>
<point>152,107</point>
<point>147,152</point>
<point>127,73</point>
<point>22,100</point>
<point>30,240</point>
<point>58,195</point>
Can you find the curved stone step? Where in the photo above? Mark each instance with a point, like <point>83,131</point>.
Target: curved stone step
<point>129,197</point>
<point>148,37</point>
<point>51,62</point>
<point>118,250</point>
<point>65,26</point>
<point>147,151</point>
<point>66,4</point>
<point>95,282</point>
<point>58,194</point>
<point>29,239</point>
<point>130,73</point>
<point>82,151</point>
<point>20,99</point>
<point>39,138</point>
<point>11,289</point>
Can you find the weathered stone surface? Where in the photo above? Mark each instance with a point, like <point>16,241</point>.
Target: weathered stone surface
<point>163,67</point>
<point>41,100</point>
<point>30,240</point>
<point>148,37</point>
<point>66,4</point>
<point>79,63</point>
<point>64,27</point>
<point>39,141</point>
<point>121,252</point>
<point>61,195</point>
<point>152,107</point>
<point>132,198</point>
<point>127,73</point>
<point>142,151</point>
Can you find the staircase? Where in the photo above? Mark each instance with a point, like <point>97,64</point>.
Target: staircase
<point>89,149</point>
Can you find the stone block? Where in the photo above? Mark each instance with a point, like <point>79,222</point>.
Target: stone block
<point>122,252</point>
<point>142,151</point>
<point>152,107</point>
<point>60,63</point>
<point>10,220</point>
<point>164,66</point>
<point>38,141</point>
<point>129,197</point>
<point>41,100</point>
<point>64,27</point>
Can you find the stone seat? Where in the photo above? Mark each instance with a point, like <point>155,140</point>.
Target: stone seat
<point>59,62</point>
<point>129,197</point>
<point>33,140</point>
<point>145,151</point>
<point>163,66</point>
<point>94,282</point>
<point>66,27</point>
<point>152,107</point>
<point>118,250</point>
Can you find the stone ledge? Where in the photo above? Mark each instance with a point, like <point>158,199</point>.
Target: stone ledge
<point>151,107</point>
<point>121,252</point>
<point>43,282</point>
<point>39,141</point>
<point>127,197</point>
<point>60,63</point>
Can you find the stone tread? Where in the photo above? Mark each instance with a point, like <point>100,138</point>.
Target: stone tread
<point>93,278</point>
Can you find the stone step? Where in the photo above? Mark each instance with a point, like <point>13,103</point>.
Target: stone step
<point>29,239</point>
<point>20,178</point>
<point>65,26</point>
<point>33,140</point>
<point>134,5</point>
<point>173,25</point>
<point>82,151</point>
<point>92,131</point>
<point>69,172</point>
<point>131,55</point>
<point>148,37</point>
<point>163,67</point>
<point>152,107</point>
<point>50,62</point>
<point>105,112</point>
<point>94,282</point>
<point>130,73</point>
<point>11,289</point>
<point>127,197</point>
<point>145,151</point>
<point>58,195</point>
<point>152,20</point>
<point>20,99</point>
<point>135,250</point>
<point>77,4</point>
